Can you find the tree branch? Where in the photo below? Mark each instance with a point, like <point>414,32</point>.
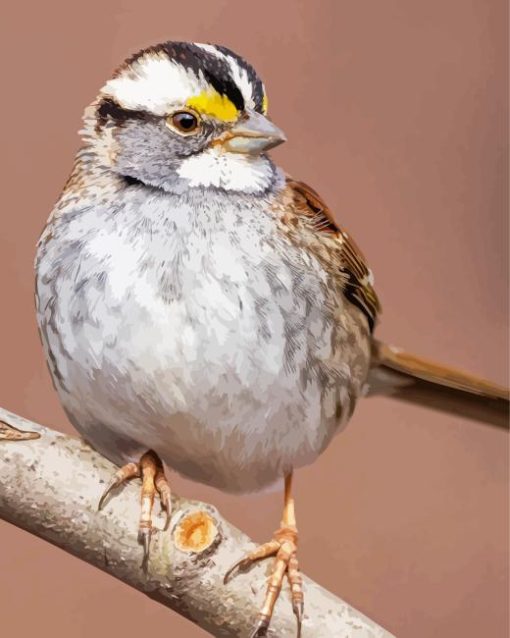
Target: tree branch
<point>50,487</point>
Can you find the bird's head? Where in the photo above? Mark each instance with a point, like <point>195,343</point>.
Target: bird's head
<point>181,115</point>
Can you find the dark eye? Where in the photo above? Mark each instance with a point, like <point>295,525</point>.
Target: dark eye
<point>184,121</point>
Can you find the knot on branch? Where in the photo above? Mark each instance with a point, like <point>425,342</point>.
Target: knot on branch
<point>196,532</point>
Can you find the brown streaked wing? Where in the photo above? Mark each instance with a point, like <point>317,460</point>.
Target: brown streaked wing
<point>358,286</point>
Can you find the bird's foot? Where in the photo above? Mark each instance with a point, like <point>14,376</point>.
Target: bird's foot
<point>283,546</point>
<point>10,433</point>
<point>150,470</point>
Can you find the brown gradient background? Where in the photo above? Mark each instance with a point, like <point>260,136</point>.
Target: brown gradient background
<point>396,112</point>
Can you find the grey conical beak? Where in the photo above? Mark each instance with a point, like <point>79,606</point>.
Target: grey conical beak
<point>254,134</point>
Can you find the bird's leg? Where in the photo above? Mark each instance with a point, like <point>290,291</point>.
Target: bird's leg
<point>150,469</point>
<point>283,547</point>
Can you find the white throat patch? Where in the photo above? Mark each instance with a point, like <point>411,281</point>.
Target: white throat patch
<point>230,171</point>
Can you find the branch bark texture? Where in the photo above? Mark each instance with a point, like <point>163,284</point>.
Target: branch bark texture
<point>50,487</point>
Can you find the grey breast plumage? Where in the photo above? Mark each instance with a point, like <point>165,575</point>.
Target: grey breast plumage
<point>200,331</point>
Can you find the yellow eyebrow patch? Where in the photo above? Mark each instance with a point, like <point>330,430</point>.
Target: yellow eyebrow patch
<point>264,104</point>
<point>212,103</point>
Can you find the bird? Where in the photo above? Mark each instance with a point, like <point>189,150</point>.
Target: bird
<point>200,309</point>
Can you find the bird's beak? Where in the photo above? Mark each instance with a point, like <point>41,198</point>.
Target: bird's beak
<point>254,134</point>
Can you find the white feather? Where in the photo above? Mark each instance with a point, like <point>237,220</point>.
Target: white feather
<point>230,171</point>
<point>154,83</point>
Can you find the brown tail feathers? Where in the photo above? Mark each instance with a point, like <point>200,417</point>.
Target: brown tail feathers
<point>411,378</point>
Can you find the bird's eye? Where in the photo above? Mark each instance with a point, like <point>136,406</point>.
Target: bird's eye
<point>184,122</point>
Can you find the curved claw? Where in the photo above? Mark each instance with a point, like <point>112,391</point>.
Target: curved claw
<point>145,540</point>
<point>298,610</point>
<point>260,628</point>
<point>125,473</point>
<point>241,565</point>
<point>166,505</point>
<point>168,516</point>
<point>165,495</point>
<point>263,551</point>
<point>111,485</point>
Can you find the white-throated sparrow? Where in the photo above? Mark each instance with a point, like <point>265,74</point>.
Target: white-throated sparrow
<point>200,308</point>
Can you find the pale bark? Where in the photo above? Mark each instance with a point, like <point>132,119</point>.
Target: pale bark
<point>50,487</point>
